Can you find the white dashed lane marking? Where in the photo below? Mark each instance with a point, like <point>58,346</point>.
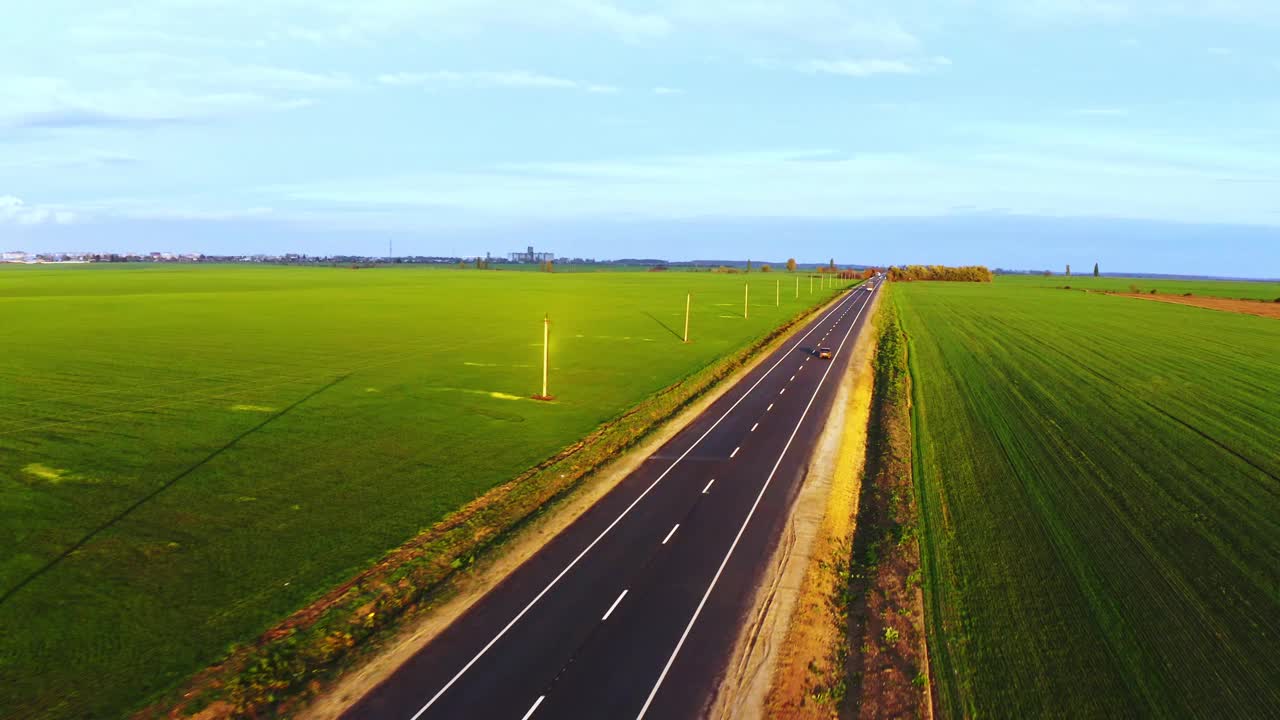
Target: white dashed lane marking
<point>536,703</point>
<point>735,451</point>
<point>668,537</point>
<point>614,606</point>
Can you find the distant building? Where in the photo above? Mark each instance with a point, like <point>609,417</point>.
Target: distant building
<point>15,256</point>
<point>529,256</point>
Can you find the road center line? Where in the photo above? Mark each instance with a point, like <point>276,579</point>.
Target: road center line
<point>735,451</point>
<point>708,487</point>
<point>598,538</point>
<point>750,513</point>
<point>769,408</point>
<point>782,391</point>
<point>614,606</point>
<point>753,427</point>
<point>536,703</point>
<point>668,537</point>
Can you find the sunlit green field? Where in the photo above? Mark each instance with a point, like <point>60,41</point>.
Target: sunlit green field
<point>1234,289</point>
<point>189,453</point>
<point>1100,488</point>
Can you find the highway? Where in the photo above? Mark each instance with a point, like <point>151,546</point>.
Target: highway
<point>633,609</point>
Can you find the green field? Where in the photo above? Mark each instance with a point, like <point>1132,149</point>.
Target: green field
<point>189,453</point>
<point>1100,489</point>
<point>1234,289</point>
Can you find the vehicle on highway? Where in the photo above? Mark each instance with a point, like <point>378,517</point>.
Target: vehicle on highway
<point>824,353</point>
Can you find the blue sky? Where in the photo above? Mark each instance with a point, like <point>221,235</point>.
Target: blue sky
<point>1144,134</point>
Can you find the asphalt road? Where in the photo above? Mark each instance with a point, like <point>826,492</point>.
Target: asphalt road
<point>633,609</point>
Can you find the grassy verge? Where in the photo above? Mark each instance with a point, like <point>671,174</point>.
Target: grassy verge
<point>297,658</point>
<point>881,605</point>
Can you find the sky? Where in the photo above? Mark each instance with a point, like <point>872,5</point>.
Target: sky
<point>1140,134</point>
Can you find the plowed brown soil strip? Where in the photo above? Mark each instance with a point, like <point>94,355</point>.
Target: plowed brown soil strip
<point>1247,307</point>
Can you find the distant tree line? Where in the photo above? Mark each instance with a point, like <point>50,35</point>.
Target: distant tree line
<point>966,273</point>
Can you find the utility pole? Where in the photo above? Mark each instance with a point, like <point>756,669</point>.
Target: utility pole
<point>777,294</point>
<point>810,284</point>
<point>688,302</point>
<point>546,354</point>
<point>797,288</point>
<point>746,300</point>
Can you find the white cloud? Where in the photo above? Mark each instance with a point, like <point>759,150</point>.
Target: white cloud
<point>363,21</point>
<point>872,66</point>
<point>1101,112</point>
<point>520,79</point>
<point>135,88</point>
<point>275,78</point>
<point>64,160</point>
<point>1112,11</point>
<point>1033,170</point>
<point>14,210</point>
<point>788,27</point>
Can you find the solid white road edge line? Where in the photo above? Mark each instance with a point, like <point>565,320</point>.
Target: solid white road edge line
<point>732,546</point>
<point>673,532</point>
<point>614,606</point>
<point>616,520</point>
<point>536,703</point>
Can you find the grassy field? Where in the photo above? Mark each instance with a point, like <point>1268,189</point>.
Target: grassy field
<point>189,453</point>
<point>1234,289</point>
<point>1100,488</point>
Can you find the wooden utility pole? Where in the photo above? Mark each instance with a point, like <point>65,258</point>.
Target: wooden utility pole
<point>746,300</point>
<point>810,284</point>
<point>777,292</point>
<point>688,302</point>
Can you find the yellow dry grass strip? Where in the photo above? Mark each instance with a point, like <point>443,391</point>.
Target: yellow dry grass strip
<point>807,658</point>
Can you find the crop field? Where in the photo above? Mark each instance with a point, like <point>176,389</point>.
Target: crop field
<point>190,453</point>
<point>1232,289</point>
<point>1100,489</point>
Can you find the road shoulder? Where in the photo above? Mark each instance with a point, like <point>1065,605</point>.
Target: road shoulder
<point>788,630</point>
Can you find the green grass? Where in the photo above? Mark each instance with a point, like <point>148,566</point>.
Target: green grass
<point>390,397</point>
<point>1234,289</point>
<point>1100,486</point>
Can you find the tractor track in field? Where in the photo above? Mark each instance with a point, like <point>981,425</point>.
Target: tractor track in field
<point>1136,398</point>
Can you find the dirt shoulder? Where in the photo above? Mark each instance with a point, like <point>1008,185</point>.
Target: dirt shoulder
<point>1246,307</point>
<point>420,628</point>
<point>783,656</point>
